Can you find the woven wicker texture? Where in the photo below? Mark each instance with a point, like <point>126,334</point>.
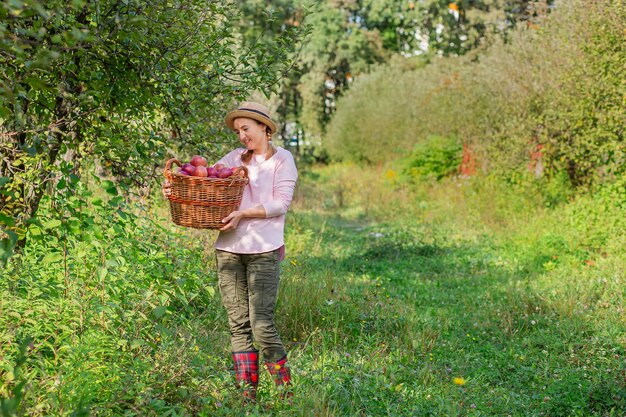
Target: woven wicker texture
<point>200,202</point>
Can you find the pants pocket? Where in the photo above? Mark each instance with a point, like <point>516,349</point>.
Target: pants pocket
<point>263,271</point>
<point>230,280</point>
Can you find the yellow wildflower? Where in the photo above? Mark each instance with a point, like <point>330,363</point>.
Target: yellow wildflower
<point>459,381</point>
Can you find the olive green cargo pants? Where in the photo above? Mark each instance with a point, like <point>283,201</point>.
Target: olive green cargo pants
<point>249,287</point>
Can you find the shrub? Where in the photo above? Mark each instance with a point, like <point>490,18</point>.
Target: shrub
<point>436,157</point>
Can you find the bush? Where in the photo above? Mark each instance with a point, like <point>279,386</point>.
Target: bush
<point>436,157</point>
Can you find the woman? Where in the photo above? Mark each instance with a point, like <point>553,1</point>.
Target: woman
<point>250,247</point>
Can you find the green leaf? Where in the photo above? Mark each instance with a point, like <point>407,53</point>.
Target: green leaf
<point>116,201</point>
<point>182,299</point>
<point>106,184</point>
<point>37,83</point>
<point>123,215</point>
<point>51,258</point>
<point>102,273</point>
<point>210,291</point>
<point>109,187</point>
<point>7,245</point>
<point>159,311</point>
<point>9,221</point>
<point>52,224</point>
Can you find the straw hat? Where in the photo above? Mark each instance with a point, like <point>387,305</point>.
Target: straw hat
<point>251,110</point>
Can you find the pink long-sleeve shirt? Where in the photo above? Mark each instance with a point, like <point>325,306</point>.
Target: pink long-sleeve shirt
<point>272,183</point>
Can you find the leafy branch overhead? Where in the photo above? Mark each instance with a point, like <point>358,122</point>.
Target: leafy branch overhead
<point>123,81</point>
<point>350,38</point>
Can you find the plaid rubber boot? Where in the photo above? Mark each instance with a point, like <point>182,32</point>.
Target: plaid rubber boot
<point>247,373</point>
<point>282,376</point>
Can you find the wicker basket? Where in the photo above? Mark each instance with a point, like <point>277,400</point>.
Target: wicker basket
<point>200,202</point>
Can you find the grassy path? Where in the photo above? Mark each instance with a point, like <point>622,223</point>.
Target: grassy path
<point>413,319</point>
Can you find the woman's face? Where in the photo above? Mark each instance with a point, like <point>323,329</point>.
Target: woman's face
<point>252,134</point>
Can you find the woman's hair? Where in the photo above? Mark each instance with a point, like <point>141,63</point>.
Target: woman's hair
<point>271,150</point>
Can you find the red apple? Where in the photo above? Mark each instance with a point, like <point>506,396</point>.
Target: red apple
<point>190,169</point>
<point>198,161</point>
<point>212,172</point>
<point>201,171</point>
<point>219,166</point>
<point>182,172</point>
<point>224,172</point>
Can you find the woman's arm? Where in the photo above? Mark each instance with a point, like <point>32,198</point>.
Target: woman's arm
<point>284,186</point>
<point>232,159</point>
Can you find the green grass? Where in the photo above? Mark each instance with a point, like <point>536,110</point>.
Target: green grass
<point>388,295</point>
<point>405,310</point>
<point>483,285</point>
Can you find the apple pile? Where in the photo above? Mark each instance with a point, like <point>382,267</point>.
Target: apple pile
<point>199,167</point>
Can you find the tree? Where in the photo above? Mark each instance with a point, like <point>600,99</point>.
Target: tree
<point>119,81</point>
<point>349,37</point>
<point>263,20</point>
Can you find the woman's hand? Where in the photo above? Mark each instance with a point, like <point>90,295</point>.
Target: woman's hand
<point>167,190</point>
<point>231,221</point>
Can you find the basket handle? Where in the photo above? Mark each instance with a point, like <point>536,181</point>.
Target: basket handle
<point>245,175</point>
<point>245,171</point>
<point>167,172</point>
